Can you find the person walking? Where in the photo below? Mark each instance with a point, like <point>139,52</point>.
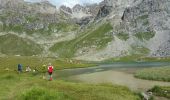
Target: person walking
<point>50,71</point>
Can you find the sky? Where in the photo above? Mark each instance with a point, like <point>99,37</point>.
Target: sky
<point>69,3</point>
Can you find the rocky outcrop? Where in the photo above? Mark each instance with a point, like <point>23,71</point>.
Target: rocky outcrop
<point>65,10</point>
<point>78,8</point>
<point>150,16</point>
<point>104,11</point>
<point>139,26</point>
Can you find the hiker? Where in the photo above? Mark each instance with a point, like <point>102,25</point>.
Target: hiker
<point>28,69</point>
<point>19,68</point>
<point>50,71</point>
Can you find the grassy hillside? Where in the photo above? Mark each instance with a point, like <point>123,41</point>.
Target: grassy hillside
<point>159,74</point>
<point>145,35</point>
<point>14,45</point>
<point>97,38</point>
<point>123,36</point>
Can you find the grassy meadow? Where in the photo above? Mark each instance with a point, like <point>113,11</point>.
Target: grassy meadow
<point>31,86</point>
<point>158,74</point>
<point>27,86</point>
<point>140,57</point>
<point>37,62</point>
<point>161,91</point>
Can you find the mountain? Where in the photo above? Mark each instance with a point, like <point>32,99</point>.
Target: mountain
<point>95,32</point>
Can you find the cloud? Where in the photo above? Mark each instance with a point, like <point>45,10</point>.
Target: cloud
<point>69,3</point>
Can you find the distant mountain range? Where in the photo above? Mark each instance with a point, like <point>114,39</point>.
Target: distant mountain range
<point>110,29</point>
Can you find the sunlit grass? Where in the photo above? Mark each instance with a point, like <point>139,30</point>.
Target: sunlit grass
<point>163,91</point>
<point>159,74</point>
<point>11,63</point>
<point>24,86</point>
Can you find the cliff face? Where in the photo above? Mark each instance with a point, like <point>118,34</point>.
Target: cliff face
<point>149,19</point>
<point>140,27</point>
<point>112,28</point>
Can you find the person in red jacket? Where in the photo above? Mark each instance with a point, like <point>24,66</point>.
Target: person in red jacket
<point>50,71</point>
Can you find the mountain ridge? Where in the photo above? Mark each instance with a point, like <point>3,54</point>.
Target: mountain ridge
<point>96,32</point>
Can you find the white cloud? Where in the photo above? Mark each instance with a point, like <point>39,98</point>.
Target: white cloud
<point>69,3</point>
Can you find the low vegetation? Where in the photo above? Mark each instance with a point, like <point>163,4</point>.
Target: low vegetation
<point>96,38</point>
<point>161,91</point>
<point>37,62</point>
<point>63,26</point>
<point>143,17</point>
<point>145,35</point>
<point>159,74</point>
<point>139,50</point>
<point>14,45</point>
<point>31,86</point>
<point>27,87</point>
<point>138,58</point>
<point>123,36</point>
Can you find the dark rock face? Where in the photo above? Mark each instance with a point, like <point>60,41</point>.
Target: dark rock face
<point>104,11</point>
<point>150,16</point>
<point>145,7</point>
<point>65,9</point>
<point>84,20</point>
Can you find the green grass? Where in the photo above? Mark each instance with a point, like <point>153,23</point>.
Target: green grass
<point>24,86</point>
<point>158,74</point>
<point>143,17</point>
<point>98,37</point>
<point>63,26</point>
<point>157,59</point>
<point>137,53</point>
<point>1,27</point>
<point>14,45</point>
<point>123,36</point>
<point>163,91</point>
<point>38,62</point>
<point>145,35</point>
<point>146,22</point>
<point>128,58</point>
<point>138,58</point>
<point>32,18</point>
<point>140,50</point>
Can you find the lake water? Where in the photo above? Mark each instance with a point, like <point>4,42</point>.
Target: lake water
<point>115,73</point>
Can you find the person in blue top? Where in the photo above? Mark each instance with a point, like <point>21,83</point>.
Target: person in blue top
<point>19,68</point>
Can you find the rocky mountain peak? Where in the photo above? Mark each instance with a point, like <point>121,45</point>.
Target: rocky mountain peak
<point>79,8</point>
<point>116,27</point>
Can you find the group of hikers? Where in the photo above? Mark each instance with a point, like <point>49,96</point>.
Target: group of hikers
<point>28,69</point>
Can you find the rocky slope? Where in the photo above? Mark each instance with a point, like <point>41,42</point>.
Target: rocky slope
<point>140,27</point>
<point>110,29</point>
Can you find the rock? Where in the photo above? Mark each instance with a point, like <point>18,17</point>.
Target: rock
<point>84,20</point>
<point>104,11</point>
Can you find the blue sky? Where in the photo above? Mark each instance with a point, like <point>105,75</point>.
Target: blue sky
<point>69,3</point>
